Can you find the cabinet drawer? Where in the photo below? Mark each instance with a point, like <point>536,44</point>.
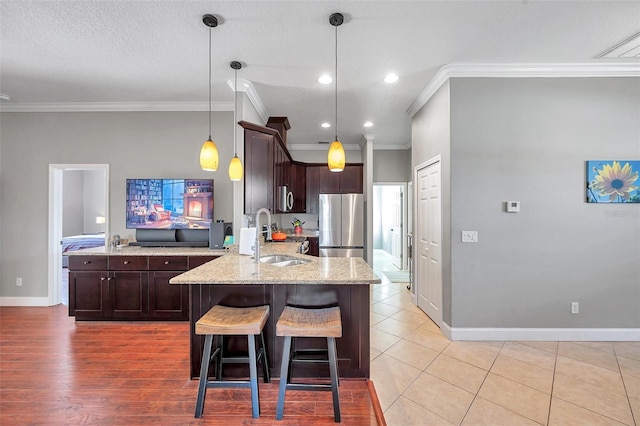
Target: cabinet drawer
<point>167,263</point>
<point>127,263</point>
<point>195,261</point>
<point>87,263</point>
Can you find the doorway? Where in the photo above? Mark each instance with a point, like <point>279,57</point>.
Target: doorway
<point>78,195</point>
<point>389,230</point>
<point>428,239</point>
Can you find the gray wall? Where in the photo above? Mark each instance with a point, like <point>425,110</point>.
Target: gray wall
<point>528,140</point>
<point>391,165</point>
<point>134,144</point>
<point>72,203</point>
<point>431,135</point>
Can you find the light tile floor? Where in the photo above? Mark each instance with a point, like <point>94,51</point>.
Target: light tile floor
<point>422,378</point>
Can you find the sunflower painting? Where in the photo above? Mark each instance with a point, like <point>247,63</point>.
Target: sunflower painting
<point>613,182</point>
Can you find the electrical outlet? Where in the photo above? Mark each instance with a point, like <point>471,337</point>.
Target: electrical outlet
<point>469,236</point>
<point>575,307</point>
<point>19,282</point>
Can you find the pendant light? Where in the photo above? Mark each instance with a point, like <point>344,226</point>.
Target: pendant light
<point>235,166</point>
<point>209,151</point>
<point>336,157</point>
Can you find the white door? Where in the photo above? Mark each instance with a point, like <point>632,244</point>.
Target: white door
<point>396,229</point>
<point>428,242</point>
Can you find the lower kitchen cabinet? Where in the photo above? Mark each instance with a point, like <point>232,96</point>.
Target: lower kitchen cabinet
<point>129,287</point>
<point>167,301</point>
<point>91,299</point>
<point>314,246</point>
<point>128,295</point>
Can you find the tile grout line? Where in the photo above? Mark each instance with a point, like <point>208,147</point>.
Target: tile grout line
<point>553,382</point>
<point>633,417</point>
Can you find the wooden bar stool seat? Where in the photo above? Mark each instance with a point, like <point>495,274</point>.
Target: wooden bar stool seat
<point>221,321</point>
<point>306,322</point>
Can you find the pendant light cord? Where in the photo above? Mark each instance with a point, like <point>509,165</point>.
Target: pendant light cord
<point>336,85</point>
<point>209,83</point>
<point>235,111</point>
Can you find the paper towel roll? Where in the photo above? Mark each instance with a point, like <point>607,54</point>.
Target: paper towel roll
<point>247,240</point>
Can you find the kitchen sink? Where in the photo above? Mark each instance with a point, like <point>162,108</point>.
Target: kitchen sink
<point>282,260</point>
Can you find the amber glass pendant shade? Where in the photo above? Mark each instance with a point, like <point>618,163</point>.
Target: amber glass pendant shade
<point>209,156</point>
<point>336,156</point>
<point>235,169</point>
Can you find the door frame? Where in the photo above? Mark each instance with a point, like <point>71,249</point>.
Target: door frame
<point>430,162</point>
<point>56,184</point>
<point>405,265</point>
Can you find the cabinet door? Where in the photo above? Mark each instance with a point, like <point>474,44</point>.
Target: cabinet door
<point>167,301</point>
<point>351,179</point>
<point>313,188</point>
<point>298,181</point>
<point>259,171</point>
<point>329,181</point>
<point>129,295</point>
<point>88,295</point>
<point>314,246</point>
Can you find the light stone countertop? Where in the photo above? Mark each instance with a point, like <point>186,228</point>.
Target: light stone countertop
<point>148,251</point>
<point>241,269</point>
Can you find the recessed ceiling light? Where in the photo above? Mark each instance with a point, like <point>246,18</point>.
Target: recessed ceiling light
<point>4,97</point>
<point>325,125</point>
<point>325,79</point>
<point>368,124</point>
<point>391,78</point>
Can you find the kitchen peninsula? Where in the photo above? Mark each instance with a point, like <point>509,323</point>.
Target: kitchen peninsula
<point>236,280</point>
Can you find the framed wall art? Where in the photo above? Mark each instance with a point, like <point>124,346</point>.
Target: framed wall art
<point>613,181</point>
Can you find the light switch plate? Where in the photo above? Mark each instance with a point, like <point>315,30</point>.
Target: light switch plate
<point>469,236</point>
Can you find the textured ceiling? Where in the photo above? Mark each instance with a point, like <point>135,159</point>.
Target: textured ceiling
<point>157,52</point>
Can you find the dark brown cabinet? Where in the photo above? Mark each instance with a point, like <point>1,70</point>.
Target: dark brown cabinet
<point>351,179</point>
<point>129,287</point>
<point>128,295</point>
<point>314,246</point>
<point>92,301</point>
<point>320,180</point>
<point>313,188</point>
<point>269,167</point>
<point>298,186</point>
<point>258,171</point>
<point>348,181</point>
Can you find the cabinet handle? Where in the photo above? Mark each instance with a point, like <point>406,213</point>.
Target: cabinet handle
<point>126,262</point>
<point>109,279</point>
<point>86,262</point>
<point>102,279</point>
<point>166,262</point>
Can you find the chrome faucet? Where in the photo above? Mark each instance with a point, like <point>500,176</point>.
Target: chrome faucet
<point>256,248</point>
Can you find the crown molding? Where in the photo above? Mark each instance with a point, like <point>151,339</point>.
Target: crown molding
<point>319,147</point>
<point>114,106</point>
<point>395,147</point>
<point>247,87</point>
<point>520,71</point>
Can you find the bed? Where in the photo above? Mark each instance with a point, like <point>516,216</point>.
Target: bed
<point>79,242</point>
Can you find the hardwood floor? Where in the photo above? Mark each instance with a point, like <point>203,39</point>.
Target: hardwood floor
<point>56,371</point>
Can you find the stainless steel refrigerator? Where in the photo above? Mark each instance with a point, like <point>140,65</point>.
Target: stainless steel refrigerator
<point>341,225</point>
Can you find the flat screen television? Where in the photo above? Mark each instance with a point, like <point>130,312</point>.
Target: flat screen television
<point>169,203</point>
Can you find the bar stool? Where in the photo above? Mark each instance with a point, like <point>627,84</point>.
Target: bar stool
<point>302,322</point>
<point>222,321</point>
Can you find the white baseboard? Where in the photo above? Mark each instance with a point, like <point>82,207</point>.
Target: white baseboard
<point>24,301</point>
<point>542,334</point>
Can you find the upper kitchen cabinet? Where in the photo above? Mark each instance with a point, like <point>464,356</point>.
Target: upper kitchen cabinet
<point>320,180</point>
<point>270,179</point>
<point>298,183</point>
<point>348,181</point>
<point>351,180</point>
<point>259,146</point>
